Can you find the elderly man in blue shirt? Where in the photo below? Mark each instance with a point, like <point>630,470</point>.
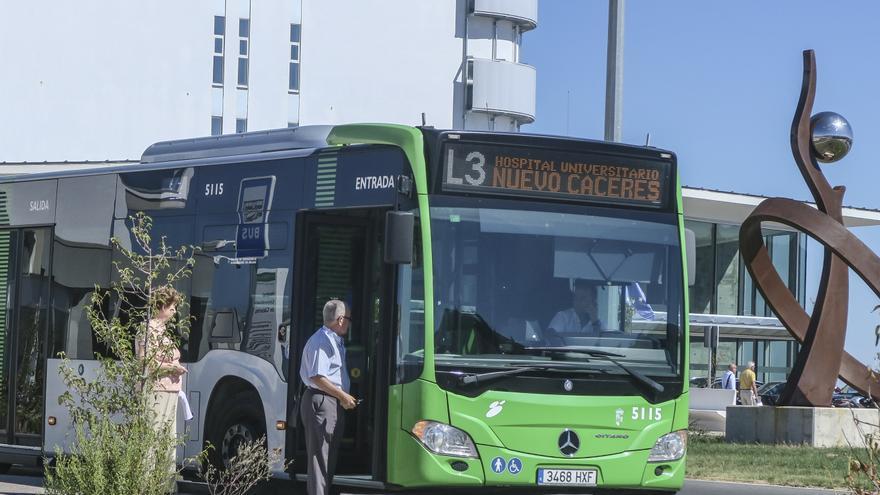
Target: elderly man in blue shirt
<point>325,374</point>
<point>728,382</point>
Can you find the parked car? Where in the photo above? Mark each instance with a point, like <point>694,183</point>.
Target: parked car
<point>699,382</point>
<point>845,397</point>
<point>846,400</point>
<point>770,392</point>
<point>849,397</point>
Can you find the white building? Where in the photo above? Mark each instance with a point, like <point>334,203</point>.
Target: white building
<point>99,80</point>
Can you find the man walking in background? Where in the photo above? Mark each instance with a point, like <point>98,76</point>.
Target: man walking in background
<point>728,382</point>
<point>747,390</point>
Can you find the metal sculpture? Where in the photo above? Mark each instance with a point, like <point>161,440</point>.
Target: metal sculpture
<point>826,137</point>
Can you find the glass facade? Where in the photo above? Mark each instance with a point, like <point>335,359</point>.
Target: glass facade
<point>723,291</point>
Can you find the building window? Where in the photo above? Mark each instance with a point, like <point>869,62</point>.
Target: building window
<point>788,254</point>
<point>244,28</point>
<point>216,126</point>
<point>700,296</point>
<point>495,40</point>
<point>517,42</point>
<point>469,86</point>
<point>219,35</point>
<point>727,269</point>
<point>240,125</point>
<point>722,284</point>
<point>293,74</point>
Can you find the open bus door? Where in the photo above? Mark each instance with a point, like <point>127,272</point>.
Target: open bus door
<point>24,311</point>
<point>339,255</point>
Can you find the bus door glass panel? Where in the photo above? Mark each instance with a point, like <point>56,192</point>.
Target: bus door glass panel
<point>33,306</point>
<point>8,239</point>
<point>339,254</point>
<point>81,260</point>
<point>25,285</point>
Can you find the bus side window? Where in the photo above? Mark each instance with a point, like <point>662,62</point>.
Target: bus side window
<point>76,271</point>
<point>411,304</point>
<point>224,326</point>
<point>222,290</point>
<point>238,305</point>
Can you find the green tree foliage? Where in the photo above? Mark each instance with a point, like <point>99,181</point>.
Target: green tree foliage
<point>117,445</point>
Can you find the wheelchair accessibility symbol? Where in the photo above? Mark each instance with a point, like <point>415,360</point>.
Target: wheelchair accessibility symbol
<point>514,466</point>
<point>498,464</point>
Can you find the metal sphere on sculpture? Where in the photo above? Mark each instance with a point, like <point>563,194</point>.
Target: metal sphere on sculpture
<point>831,136</point>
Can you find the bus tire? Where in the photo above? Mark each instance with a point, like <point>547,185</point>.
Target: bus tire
<point>243,421</point>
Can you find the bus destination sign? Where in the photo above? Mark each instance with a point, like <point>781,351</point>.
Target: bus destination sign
<point>537,172</point>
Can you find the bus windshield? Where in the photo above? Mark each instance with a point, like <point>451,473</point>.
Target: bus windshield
<point>553,291</point>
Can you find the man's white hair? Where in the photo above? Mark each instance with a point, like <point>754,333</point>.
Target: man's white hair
<point>751,363</point>
<point>333,310</point>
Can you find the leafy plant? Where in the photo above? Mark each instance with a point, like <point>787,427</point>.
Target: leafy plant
<point>117,446</point>
<point>118,449</point>
<point>110,457</point>
<point>863,477</point>
<point>250,466</point>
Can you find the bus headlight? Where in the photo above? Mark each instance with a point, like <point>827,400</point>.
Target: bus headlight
<point>669,447</point>
<point>444,439</point>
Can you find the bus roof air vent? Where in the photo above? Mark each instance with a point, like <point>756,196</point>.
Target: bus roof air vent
<point>313,136</point>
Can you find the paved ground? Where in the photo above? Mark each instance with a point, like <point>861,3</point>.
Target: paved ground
<point>696,487</point>
<point>29,482</point>
<point>21,482</point>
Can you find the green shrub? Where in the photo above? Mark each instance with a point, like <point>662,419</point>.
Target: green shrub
<point>117,447</point>
<point>114,458</point>
<point>249,467</point>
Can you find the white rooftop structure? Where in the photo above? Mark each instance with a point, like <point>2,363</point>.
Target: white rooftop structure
<point>733,207</point>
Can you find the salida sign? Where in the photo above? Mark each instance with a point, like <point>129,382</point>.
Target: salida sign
<point>474,167</point>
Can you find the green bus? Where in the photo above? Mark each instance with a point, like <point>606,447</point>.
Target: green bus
<point>519,301</point>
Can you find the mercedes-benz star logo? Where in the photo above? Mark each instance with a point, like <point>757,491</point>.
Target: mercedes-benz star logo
<point>569,443</point>
<point>567,385</point>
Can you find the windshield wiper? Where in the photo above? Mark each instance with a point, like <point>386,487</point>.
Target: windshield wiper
<point>608,356</point>
<point>473,379</point>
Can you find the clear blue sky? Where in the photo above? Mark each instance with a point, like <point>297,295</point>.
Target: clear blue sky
<point>718,84</point>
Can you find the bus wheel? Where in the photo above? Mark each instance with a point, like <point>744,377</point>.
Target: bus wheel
<point>239,424</point>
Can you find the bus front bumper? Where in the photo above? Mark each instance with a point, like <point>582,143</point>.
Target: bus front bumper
<point>619,472</point>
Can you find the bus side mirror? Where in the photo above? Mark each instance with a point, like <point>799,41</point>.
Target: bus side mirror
<point>399,237</point>
<point>690,249</point>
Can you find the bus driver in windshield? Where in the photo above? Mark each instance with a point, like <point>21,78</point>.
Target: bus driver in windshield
<point>582,317</point>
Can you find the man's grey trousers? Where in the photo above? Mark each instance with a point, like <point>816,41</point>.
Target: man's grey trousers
<point>323,423</point>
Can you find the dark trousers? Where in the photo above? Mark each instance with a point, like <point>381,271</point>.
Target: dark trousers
<point>323,424</point>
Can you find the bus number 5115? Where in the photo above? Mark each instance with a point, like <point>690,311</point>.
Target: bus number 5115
<point>650,413</point>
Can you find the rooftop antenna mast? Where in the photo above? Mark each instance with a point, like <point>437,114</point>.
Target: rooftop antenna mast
<point>614,71</point>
